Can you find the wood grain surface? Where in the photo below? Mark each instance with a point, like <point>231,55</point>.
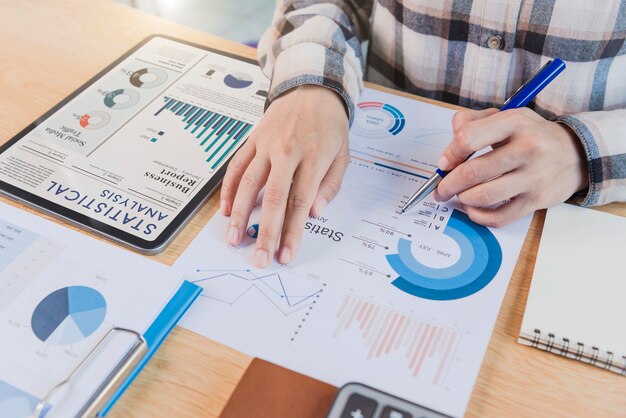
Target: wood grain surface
<point>49,48</point>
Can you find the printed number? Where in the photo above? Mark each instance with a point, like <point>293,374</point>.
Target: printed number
<point>365,271</point>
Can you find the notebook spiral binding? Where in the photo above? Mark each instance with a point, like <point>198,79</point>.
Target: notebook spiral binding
<point>561,346</point>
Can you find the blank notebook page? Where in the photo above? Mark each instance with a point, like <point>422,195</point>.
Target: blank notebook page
<point>578,290</point>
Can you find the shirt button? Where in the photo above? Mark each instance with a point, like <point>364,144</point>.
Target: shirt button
<point>495,42</point>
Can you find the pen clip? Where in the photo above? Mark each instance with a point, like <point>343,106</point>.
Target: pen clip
<point>526,83</point>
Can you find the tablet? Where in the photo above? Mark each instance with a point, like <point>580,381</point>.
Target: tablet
<point>133,153</point>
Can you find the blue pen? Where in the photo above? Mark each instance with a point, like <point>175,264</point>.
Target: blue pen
<point>520,98</point>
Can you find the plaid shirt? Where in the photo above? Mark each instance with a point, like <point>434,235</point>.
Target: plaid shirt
<point>470,53</point>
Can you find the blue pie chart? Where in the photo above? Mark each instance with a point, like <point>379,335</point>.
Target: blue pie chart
<point>479,261</point>
<point>68,315</point>
<point>238,80</point>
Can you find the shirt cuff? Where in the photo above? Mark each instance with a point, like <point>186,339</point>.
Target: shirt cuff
<point>309,63</point>
<point>604,142</point>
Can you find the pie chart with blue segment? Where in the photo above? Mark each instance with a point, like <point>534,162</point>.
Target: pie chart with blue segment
<point>479,261</point>
<point>68,315</point>
<point>238,80</point>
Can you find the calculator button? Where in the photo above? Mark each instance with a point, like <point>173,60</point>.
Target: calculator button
<point>358,406</point>
<point>390,412</point>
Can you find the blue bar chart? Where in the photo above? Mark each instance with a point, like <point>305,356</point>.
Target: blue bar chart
<point>217,134</point>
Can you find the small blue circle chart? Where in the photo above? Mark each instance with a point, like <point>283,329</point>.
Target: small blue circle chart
<point>68,315</point>
<point>121,99</point>
<point>479,262</point>
<point>378,120</point>
<point>253,231</point>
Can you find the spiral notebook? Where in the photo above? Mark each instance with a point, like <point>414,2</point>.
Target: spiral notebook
<point>576,306</point>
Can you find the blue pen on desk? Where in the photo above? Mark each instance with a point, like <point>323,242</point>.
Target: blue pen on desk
<point>520,98</point>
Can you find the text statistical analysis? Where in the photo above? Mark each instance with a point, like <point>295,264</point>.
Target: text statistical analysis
<point>405,303</point>
<point>134,148</point>
<point>61,292</point>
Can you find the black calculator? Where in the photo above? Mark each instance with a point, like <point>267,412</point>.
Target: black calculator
<point>355,400</point>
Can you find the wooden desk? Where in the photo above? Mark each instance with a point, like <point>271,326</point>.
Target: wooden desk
<point>49,48</point>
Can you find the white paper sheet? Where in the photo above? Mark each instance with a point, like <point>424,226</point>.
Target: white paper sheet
<point>350,308</point>
<point>60,293</point>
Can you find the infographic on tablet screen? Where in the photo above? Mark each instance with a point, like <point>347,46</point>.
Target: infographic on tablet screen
<point>135,147</point>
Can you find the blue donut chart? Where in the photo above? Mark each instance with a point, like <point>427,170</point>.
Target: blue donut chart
<point>398,119</point>
<point>379,120</point>
<point>132,98</point>
<point>478,264</point>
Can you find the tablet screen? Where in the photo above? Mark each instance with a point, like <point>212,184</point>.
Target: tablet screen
<point>135,147</point>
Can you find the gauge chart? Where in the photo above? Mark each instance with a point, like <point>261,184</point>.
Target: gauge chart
<point>121,99</point>
<point>378,120</point>
<point>147,78</point>
<point>95,120</point>
<point>68,315</point>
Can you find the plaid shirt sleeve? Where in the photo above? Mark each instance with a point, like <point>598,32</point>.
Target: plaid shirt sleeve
<point>603,135</point>
<point>312,42</point>
<point>472,54</point>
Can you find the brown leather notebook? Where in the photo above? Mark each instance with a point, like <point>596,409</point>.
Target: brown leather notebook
<point>270,391</point>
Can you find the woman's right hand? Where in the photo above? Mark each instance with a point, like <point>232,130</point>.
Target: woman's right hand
<point>299,152</point>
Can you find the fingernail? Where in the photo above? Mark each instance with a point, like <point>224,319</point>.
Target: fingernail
<point>443,163</point>
<point>261,258</point>
<point>224,207</point>
<point>233,235</point>
<point>285,255</point>
<point>321,205</point>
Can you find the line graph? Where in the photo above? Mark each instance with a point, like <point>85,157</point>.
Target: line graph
<point>287,292</point>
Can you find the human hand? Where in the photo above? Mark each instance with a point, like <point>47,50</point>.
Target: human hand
<point>534,164</point>
<point>299,152</point>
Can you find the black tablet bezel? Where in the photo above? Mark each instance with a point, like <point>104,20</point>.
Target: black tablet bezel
<point>99,228</point>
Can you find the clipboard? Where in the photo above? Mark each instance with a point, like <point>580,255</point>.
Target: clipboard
<point>127,368</point>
